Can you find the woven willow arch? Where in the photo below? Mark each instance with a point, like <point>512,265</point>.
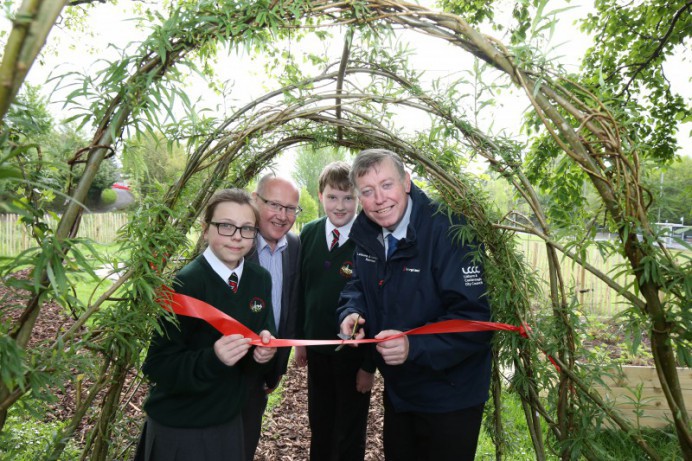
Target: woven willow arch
<point>235,152</point>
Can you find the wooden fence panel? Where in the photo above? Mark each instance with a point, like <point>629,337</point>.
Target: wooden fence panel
<point>593,294</point>
<point>99,227</point>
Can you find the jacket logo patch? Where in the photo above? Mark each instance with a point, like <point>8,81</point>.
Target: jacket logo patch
<point>257,304</point>
<point>472,276</point>
<point>411,269</point>
<point>368,258</point>
<point>346,269</point>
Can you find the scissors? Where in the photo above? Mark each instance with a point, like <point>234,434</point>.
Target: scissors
<point>344,336</point>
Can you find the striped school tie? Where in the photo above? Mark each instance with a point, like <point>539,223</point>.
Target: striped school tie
<point>335,240</point>
<point>233,282</point>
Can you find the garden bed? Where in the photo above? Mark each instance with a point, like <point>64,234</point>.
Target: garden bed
<point>632,384</point>
<point>636,392</point>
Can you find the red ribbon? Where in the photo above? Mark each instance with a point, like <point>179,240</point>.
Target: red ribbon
<point>227,325</point>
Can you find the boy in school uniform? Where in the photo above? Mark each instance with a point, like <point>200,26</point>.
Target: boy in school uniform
<point>339,382</point>
<point>197,374</point>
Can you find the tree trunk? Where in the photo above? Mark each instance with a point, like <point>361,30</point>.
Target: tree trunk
<point>664,357</point>
<point>102,431</point>
<point>499,435</point>
<point>30,28</point>
<point>81,409</point>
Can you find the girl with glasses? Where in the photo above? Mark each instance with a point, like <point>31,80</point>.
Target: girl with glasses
<point>198,375</point>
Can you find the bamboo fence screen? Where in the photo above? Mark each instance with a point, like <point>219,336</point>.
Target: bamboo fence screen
<point>593,294</point>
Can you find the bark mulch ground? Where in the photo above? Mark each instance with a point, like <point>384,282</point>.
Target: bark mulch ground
<point>286,432</point>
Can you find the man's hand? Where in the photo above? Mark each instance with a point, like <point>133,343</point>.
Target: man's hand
<point>395,351</point>
<point>230,349</point>
<point>301,356</point>
<point>264,354</point>
<point>353,323</point>
<point>364,381</point>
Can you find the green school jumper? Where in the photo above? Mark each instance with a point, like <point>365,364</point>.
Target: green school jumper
<point>323,274</point>
<point>191,387</point>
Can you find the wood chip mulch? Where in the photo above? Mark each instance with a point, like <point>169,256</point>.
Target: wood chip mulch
<point>286,431</point>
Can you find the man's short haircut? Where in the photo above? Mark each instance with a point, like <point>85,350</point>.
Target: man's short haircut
<point>369,158</point>
<point>336,175</point>
<point>238,196</point>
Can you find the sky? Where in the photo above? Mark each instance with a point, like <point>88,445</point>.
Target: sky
<point>72,51</point>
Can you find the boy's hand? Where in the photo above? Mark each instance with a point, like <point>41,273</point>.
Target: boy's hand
<point>364,381</point>
<point>264,354</point>
<point>230,349</point>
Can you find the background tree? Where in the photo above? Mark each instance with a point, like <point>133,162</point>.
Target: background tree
<point>671,190</point>
<point>309,206</point>
<point>29,116</point>
<point>632,42</point>
<point>50,156</point>
<point>63,148</point>
<point>310,162</point>
<point>27,120</point>
<point>152,163</point>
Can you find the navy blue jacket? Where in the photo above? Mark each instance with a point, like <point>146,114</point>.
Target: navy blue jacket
<point>429,278</point>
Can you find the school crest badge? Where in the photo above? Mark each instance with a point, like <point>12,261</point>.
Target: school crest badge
<point>346,269</point>
<point>257,304</point>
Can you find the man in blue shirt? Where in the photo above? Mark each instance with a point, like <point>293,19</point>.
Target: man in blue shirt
<point>278,251</point>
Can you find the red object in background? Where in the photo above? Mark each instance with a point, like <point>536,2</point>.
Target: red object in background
<point>119,186</point>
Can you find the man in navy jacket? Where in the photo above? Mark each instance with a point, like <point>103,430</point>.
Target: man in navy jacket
<point>435,385</point>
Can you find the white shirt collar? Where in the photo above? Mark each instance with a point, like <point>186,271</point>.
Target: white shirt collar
<point>220,268</point>
<point>343,230</point>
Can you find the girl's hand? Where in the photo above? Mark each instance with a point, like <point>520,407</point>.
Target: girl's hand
<point>230,349</point>
<point>264,354</point>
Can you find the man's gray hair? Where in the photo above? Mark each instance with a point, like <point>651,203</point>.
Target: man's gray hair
<point>369,158</point>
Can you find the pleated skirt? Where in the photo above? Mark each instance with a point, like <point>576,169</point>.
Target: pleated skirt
<point>218,443</point>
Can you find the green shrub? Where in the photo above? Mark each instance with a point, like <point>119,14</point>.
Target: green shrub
<point>108,196</point>
<point>519,446</point>
<point>27,439</point>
